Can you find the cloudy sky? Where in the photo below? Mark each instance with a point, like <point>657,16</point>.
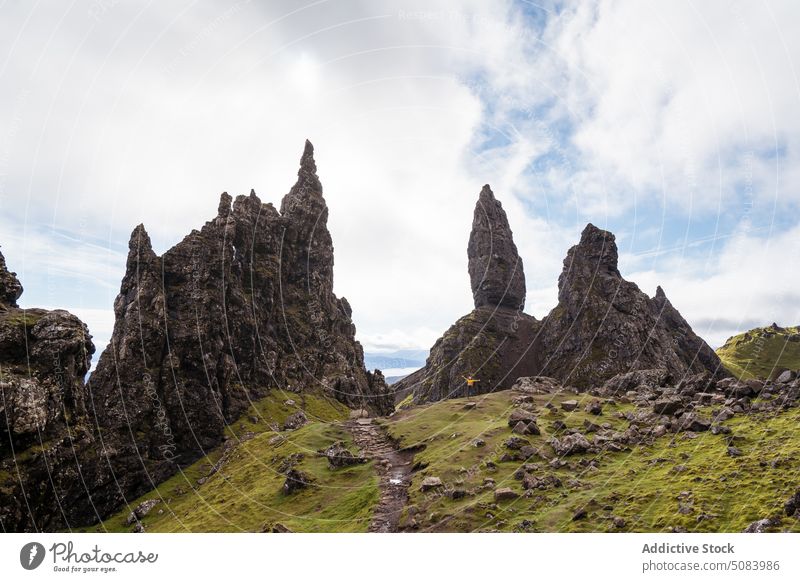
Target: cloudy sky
<point>673,124</point>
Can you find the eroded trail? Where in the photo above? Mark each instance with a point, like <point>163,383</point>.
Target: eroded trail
<point>393,467</point>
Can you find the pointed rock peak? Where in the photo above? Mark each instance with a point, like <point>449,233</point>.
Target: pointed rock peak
<point>308,189</point>
<point>253,193</point>
<point>307,163</point>
<point>660,293</point>
<point>599,248</point>
<point>224,207</point>
<point>10,287</point>
<point>486,193</point>
<point>495,267</point>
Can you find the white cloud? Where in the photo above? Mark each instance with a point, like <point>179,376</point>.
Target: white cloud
<point>124,114</point>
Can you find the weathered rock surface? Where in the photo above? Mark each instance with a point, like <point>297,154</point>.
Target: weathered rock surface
<point>604,325</point>
<point>495,267</point>
<point>603,332</point>
<point>44,356</point>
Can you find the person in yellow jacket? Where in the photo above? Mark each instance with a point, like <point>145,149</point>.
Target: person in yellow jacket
<point>470,383</point>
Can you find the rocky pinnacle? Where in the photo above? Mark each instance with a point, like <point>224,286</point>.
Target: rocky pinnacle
<point>10,287</point>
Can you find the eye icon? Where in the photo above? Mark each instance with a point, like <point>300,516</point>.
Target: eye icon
<point>31,555</point>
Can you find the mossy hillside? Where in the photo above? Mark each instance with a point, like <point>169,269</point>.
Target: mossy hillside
<point>246,495</point>
<point>762,352</point>
<point>678,482</point>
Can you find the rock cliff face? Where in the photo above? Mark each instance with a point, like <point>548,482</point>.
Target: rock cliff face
<point>240,307</point>
<point>44,356</point>
<point>604,325</point>
<point>495,343</point>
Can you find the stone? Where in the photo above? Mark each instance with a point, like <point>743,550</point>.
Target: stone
<point>594,407</point>
<point>505,494</point>
<point>296,480</point>
<point>44,358</point>
<point>541,483</point>
<point>339,456</point>
<point>295,421</point>
<point>734,452</point>
<point>761,526</point>
<point>667,406</point>
<point>570,444</point>
<point>569,405</point>
<point>141,510</point>
<point>429,483</point>
<point>786,377</point>
<point>619,522</point>
<point>263,281</point>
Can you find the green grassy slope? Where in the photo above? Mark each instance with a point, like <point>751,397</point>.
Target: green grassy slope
<point>762,352</point>
<point>678,481</point>
<point>684,481</point>
<point>245,495</point>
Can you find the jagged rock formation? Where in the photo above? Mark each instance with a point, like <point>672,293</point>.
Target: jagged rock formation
<point>495,343</point>
<point>44,356</point>
<point>762,352</point>
<point>604,325</point>
<point>240,307</point>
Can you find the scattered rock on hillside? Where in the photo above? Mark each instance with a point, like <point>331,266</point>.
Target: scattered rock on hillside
<point>604,326</point>
<point>761,526</point>
<point>295,421</point>
<point>505,494</point>
<point>430,483</point>
<point>495,267</point>
<point>792,505</point>
<point>667,406</point>
<point>339,456</point>
<point>570,444</point>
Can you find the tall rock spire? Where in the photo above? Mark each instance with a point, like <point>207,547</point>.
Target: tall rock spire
<point>605,325</point>
<point>10,287</point>
<point>495,267</point>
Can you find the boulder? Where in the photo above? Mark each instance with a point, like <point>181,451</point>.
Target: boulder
<point>339,456</point>
<point>667,406</point>
<point>141,510</point>
<point>792,505</point>
<point>296,480</point>
<point>295,421</point>
<point>594,407</point>
<point>569,405</point>
<point>786,377</point>
<point>570,444</point>
<point>505,494</point>
<point>430,483</point>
